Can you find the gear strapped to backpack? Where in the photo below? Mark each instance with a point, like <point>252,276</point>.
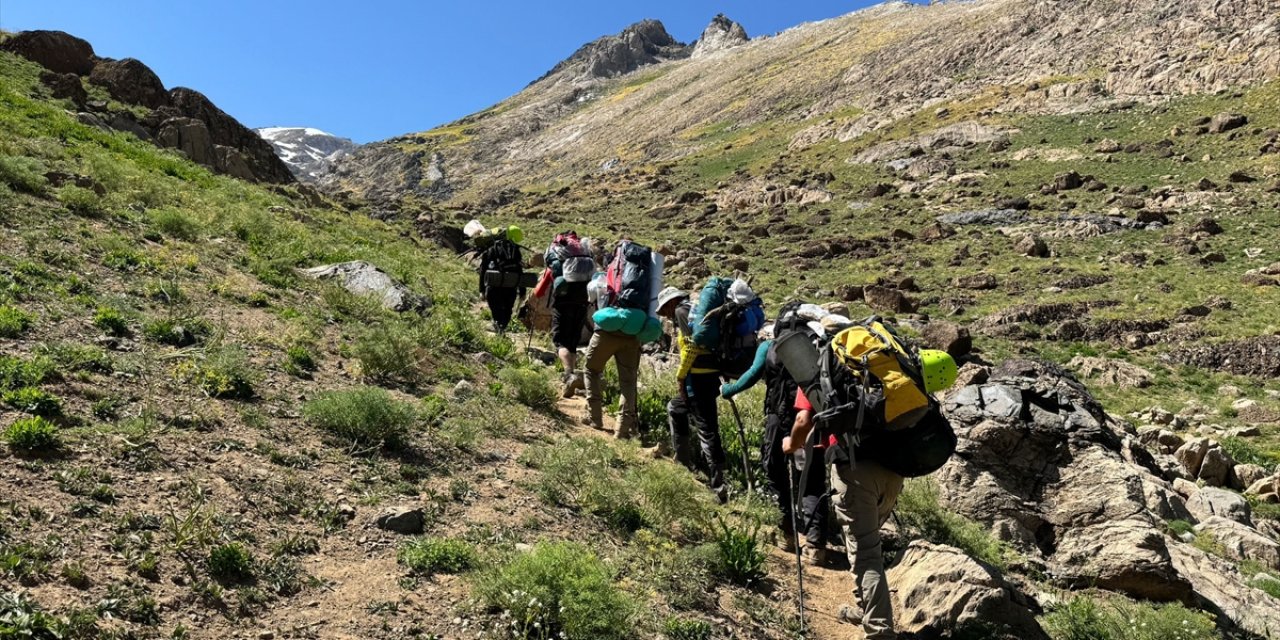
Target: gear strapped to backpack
<point>869,394</point>
<point>576,263</point>
<point>726,322</point>
<point>504,266</point>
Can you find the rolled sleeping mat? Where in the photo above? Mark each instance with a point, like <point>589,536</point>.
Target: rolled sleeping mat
<point>609,319</point>
<point>655,282</point>
<point>802,360</point>
<point>652,330</point>
<point>633,322</point>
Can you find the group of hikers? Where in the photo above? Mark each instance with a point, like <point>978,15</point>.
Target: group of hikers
<point>848,405</point>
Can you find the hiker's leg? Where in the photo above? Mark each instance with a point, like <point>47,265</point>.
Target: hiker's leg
<point>857,505</point>
<point>598,353</point>
<point>705,391</point>
<point>502,302</point>
<point>816,503</point>
<point>777,467</point>
<point>681,441</point>
<point>627,359</point>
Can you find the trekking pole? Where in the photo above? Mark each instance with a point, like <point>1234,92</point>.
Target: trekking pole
<point>742,439</point>
<point>795,532</point>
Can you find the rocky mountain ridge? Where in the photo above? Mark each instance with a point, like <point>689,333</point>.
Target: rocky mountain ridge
<point>179,118</point>
<point>309,153</point>
<point>841,78</point>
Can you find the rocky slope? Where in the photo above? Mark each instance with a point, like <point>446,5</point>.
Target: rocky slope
<point>309,153</point>
<point>841,78</point>
<point>135,101</point>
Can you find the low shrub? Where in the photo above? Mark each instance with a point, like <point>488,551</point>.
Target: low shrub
<point>16,372</point>
<point>21,618</point>
<point>365,417</point>
<point>23,174</point>
<point>919,510</point>
<point>558,588</point>
<point>741,558</point>
<point>686,629</point>
<point>437,555</point>
<point>175,224</point>
<point>81,201</point>
<point>299,361</point>
<point>34,401</point>
<point>392,354</point>
<point>1116,618</point>
<point>14,321</point>
<point>1245,452</point>
<point>33,436</point>
<point>230,562</point>
<point>177,332</point>
<point>530,388</point>
<point>111,321</point>
<point>223,372</point>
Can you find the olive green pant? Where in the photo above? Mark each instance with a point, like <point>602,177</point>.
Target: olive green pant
<point>625,351</point>
<point>865,494</point>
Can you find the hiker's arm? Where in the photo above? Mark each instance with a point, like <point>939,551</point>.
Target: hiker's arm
<point>799,432</point>
<point>752,375</point>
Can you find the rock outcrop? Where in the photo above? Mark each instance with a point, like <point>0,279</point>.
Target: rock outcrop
<point>364,279</point>
<point>130,81</point>
<point>720,35</point>
<point>1049,471</point>
<point>939,591</point>
<point>641,44</point>
<point>54,50</point>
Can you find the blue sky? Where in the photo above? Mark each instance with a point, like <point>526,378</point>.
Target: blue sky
<point>374,69</point>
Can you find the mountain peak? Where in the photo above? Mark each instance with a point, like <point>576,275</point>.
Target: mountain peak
<point>308,152</point>
<point>721,34</point>
<point>641,44</point>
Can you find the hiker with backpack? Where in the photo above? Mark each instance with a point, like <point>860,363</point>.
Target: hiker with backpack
<point>502,275</point>
<point>866,393</point>
<point>569,269</point>
<point>715,338</point>
<point>780,469</point>
<point>621,321</point>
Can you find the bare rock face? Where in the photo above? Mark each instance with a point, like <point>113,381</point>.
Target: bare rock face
<point>1258,356</point>
<point>1241,542</point>
<point>941,590</point>
<point>65,86</point>
<point>721,34</point>
<point>1112,373</point>
<point>888,300</point>
<point>641,44</point>
<point>54,50</point>
<point>227,131</point>
<point>364,279</point>
<point>130,81</point>
<point>1043,466</point>
<point>189,136</point>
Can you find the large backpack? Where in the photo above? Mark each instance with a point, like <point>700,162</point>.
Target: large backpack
<point>727,328</point>
<point>866,386</point>
<point>576,264</point>
<point>629,290</point>
<point>504,266</point>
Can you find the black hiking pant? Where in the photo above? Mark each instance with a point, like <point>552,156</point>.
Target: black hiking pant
<point>502,302</point>
<point>815,500</point>
<point>700,413</point>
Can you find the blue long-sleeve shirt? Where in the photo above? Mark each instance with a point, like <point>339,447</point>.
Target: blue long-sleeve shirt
<point>751,376</point>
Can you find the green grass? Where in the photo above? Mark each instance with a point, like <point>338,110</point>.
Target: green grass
<point>364,418</point>
<point>920,511</point>
<point>112,321</point>
<point>34,401</point>
<point>230,562</point>
<point>14,321</point>
<point>437,555</point>
<point>1115,618</point>
<point>33,436</point>
<point>558,587</point>
<point>530,388</point>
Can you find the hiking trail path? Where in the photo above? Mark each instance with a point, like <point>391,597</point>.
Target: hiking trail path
<point>826,587</point>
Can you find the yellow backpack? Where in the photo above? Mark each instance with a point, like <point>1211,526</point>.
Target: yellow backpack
<point>877,361</point>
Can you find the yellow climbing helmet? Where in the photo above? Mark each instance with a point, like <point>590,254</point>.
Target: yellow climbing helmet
<point>514,234</point>
<point>939,369</point>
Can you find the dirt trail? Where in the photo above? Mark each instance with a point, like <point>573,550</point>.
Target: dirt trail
<point>825,589</point>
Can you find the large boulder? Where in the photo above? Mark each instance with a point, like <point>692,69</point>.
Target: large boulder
<point>130,81</point>
<point>949,337</point>
<point>1212,501</point>
<point>1046,469</point>
<point>189,136</point>
<point>1241,542</point>
<point>941,591</point>
<point>66,86</point>
<point>54,50</point>
<point>888,300</point>
<point>1112,373</point>
<point>364,279</point>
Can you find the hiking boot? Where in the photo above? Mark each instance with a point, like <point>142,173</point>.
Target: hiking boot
<point>588,422</point>
<point>786,540</point>
<point>814,556</point>
<point>660,450</point>
<point>849,614</point>
<point>722,494</point>
<point>572,383</point>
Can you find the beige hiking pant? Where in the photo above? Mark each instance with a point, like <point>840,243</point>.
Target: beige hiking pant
<point>625,351</point>
<point>865,495</point>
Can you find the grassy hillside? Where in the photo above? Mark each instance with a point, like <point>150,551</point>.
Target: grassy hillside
<point>197,441</point>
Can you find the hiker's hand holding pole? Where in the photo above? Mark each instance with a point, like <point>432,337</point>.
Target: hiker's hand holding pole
<point>799,432</point>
